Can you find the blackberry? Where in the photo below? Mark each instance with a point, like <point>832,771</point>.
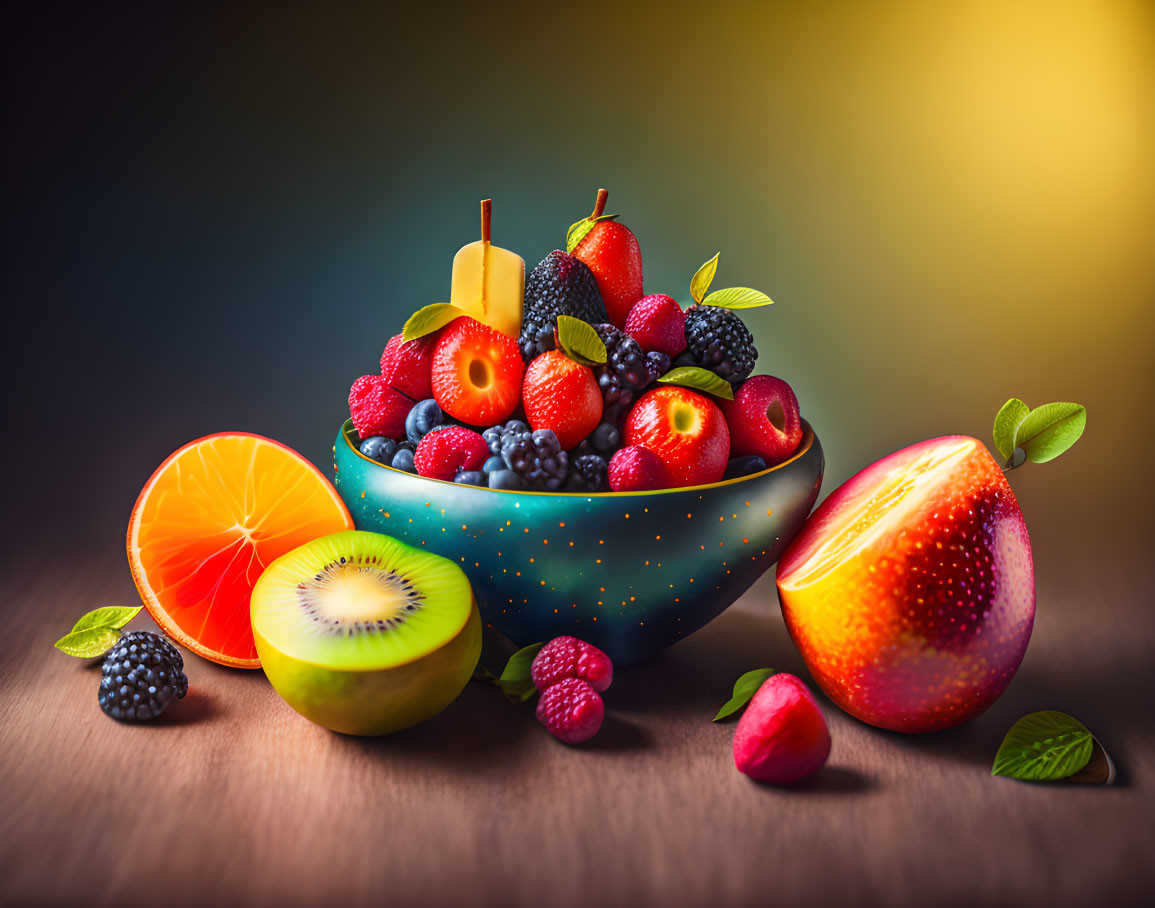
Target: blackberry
<point>560,285</point>
<point>537,458</point>
<point>495,436</point>
<point>716,339</point>
<point>588,473</point>
<point>623,376</point>
<point>140,677</point>
<point>657,364</point>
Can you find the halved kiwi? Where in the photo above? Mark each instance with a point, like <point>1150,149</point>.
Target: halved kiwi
<point>365,635</point>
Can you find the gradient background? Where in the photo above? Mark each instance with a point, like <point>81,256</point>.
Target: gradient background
<point>214,218</point>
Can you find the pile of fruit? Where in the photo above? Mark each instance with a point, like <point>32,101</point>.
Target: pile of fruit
<point>574,380</point>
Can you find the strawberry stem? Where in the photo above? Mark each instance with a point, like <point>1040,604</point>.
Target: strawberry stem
<point>486,214</point>
<point>600,204</point>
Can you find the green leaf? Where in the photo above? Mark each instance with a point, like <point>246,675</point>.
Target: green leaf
<point>113,616</point>
<point>744,688</point>
<point>700,380</point>
<point>1007,422</point>
<point>86,644</point>
<point>429,319</point>
<point>737,298</point>
<point>579,341</point>
<point>702,278</point>
<point>1042,747</point>
<point>1049,430</point>
<point>579,229</point>
<point>515,679</point>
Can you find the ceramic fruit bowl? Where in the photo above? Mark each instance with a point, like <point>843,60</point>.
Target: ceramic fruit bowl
<point>631,572</point>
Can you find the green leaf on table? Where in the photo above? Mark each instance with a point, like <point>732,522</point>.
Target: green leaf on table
<point>1048,431</point>
<point>88,643</point>
<point>1043,747</point>
<point>114,616</point>
<point>429,319</point>
<point>515,679</point>
<point>703,277</point>
<point>1007,423</point>
<point>578,230</point>
<point>744,688</point>
<point>737,298</point>
<point>700,380</point>
<point>579,341</point>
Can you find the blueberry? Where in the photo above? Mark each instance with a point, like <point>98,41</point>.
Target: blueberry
<point>471,478</point>
<point>423,417</point>
<point>606,438</point>
<point>744,466</point>
<point>506,479</point>
<point>403,460</point>
<point>494,464</point>
<point>379,448</point>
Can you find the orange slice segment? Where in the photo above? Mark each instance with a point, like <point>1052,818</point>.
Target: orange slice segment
<point>207,523</point>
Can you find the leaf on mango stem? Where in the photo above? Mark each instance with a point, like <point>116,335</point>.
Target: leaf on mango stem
<point>1043,747</point>
<point>579,341</point>
<point>578,230</point>
<point>699,379</point>
<point>1007,423</point>
<point>700,282</point>
<point>428,319</point>
<point>1049,430</point>
<point>744,688</point>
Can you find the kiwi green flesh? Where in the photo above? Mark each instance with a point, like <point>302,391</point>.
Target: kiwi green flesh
<point>377,701</point>
<point>359,601</point>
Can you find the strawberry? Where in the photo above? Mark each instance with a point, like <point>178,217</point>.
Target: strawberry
<point>406,366</point>
<point>657,322</point>
<point>612,253</point>
<point>378,409</point>
<point>476,372</point>
<point>561,395</point>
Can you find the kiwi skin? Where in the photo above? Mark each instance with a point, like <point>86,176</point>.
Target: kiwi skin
<point>380,702</point>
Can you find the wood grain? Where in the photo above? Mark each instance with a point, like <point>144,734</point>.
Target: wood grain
<point>234,799</point>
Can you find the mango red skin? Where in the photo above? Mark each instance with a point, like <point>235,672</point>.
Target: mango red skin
<point>610,250</point>
<point>782,736</point>
<point>926,626</point>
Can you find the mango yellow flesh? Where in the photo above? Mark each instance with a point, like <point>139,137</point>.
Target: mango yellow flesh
<point>489,285</point>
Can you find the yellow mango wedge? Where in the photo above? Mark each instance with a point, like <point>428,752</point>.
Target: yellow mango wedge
<point>488,281</point>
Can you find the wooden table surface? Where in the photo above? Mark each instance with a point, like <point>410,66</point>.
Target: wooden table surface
<point>234,799</point>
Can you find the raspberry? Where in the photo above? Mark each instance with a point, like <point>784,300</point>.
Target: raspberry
<point>571,710</point>
<point>718,340</point>
<point>142,674</point>
<point>443,453</point>
<point>378,409</point>
<point>559,285</point>
<point>536,457</point>
<point>561,395</point>
<point>658,323</point>
<point>406,367</point>
<point>569,657</point>
<point>636,469</point>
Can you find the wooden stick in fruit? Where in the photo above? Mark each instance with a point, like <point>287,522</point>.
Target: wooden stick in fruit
<point>488,281</point>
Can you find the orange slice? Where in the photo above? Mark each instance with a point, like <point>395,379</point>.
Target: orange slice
<point>208,522</point>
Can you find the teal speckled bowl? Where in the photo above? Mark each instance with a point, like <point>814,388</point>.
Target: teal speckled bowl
<point>631,572</point>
